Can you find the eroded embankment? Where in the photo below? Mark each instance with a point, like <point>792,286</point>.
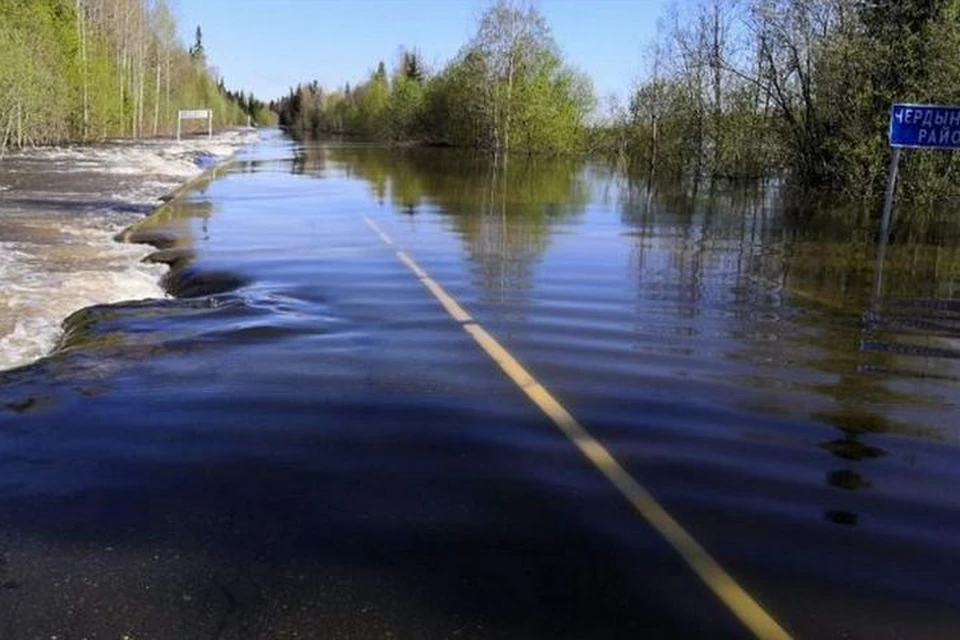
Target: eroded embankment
<point>60,213</point>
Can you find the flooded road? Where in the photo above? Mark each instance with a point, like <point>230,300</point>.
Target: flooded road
<point>309,439</point>
<point>60,209</point>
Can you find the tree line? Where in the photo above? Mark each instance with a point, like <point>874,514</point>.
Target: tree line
<point>82,70</point>
<point>733,88</point>
<point>802,88</point>
<point>507,89</point>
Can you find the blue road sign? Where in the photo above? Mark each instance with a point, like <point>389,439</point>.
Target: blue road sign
<point>925,126</point>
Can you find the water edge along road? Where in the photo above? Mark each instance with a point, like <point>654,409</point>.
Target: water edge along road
<point>303,442</point>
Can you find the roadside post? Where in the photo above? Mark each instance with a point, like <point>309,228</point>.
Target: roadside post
<point>912,126</point>
<point>917,126</point>
<point>195,114</point>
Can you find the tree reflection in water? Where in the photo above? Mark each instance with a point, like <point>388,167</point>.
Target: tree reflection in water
<point>797,283</point>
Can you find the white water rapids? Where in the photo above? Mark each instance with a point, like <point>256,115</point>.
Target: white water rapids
<point>60,209</point>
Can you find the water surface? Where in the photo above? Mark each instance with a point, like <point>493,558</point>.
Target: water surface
<point>60,209</point>
<point>303,441</point>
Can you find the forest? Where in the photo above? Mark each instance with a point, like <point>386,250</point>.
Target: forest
<point>799,89</point>
<point>86,70</point>
<point>508,89</point>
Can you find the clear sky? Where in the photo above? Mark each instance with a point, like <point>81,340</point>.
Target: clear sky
<point>267,46</point>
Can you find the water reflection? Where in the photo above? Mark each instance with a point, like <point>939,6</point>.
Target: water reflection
<point>843,518</point>
<point>797,298</point>
<point>505,212</point>
<point>737,360</point>
<point>309,160</point>
<point>745,241</point>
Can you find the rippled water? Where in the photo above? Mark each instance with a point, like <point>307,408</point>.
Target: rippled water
<point>303,441</point>
<point>60,209</point>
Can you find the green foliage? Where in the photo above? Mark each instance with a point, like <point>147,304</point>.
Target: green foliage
<point>507,90</point>
<point>35,66</point>
<point>455,111</point>
<point>405,107</point>
<point>801,87</point>
<point>93,69</point>
<point>899,52</point>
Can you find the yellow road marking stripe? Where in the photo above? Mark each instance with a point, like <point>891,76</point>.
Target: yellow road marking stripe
<point>377,230</point>
<point>746,608</point>
<point>454,309</point>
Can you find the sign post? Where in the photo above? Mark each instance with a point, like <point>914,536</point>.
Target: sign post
<point>912,126</point>
<point>195,114</point>
<point>891,188</point>
<point>917,126</point>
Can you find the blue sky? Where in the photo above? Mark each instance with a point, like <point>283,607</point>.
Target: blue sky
<point>267,46</point>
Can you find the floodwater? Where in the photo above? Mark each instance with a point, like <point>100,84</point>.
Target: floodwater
<point>60,209</point>
<point>303,442</point>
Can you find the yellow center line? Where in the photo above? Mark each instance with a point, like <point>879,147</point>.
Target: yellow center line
<point>744,606</point>
<point>377,230</point>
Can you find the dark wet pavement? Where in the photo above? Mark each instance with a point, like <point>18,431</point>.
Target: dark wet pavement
<point>304,443</point>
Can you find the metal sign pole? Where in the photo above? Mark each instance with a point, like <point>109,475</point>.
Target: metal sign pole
<point>912,126</point>
<point>891,189</point>
<point>179,121</point>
